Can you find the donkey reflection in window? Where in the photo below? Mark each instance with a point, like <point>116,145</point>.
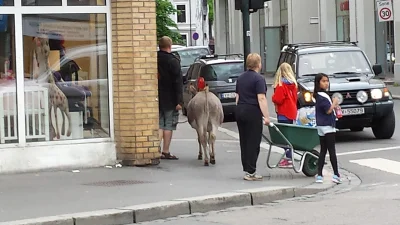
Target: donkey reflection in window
<point>57,98</point>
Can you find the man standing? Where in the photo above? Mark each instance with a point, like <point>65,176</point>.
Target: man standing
<point>169,94</point>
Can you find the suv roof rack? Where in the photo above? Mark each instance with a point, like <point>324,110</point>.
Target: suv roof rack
<point>216,56</point>
<point>319,44</point>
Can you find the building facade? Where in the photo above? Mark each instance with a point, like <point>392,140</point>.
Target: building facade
<point>290,21</point>
<point>192,21</point>
<point>99,102</point>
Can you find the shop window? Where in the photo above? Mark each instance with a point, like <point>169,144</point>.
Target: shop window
<point>181,17</point>
<point>65,58</point>
<point>6,2</point>
<point>8,88</point>
<point>41,2</point>
<point>86,2</point>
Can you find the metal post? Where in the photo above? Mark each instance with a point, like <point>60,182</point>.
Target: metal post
<point>246,29</point>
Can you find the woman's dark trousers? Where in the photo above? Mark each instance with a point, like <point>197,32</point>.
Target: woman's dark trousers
<point>250,124</point>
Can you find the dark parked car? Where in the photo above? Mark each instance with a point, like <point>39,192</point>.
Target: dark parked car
<point>365,101</point>
<point>220,74</point>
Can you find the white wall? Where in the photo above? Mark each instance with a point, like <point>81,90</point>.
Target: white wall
<point>362,26</point>
<point>57,155</point>
<point>299,14</point>
<point>327,14</point>
<point>396,8</point>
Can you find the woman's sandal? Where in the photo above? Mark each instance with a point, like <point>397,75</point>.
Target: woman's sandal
<point>168,156</point>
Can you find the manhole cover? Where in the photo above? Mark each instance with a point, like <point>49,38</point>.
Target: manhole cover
<point>114,183</point>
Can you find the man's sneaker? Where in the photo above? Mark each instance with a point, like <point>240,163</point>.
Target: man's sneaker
<point>285,163</point>
<point>319,179</point>
<point>336,179</point>
<point>252,177</point>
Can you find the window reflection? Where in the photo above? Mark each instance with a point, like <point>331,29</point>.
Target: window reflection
<point>85,2</point>
<point>67,56</point>
<point>7,3</point>
<point>41,2</point>
<point>8,96</point>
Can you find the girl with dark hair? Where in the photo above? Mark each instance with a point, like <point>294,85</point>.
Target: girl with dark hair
<point>326,121</point>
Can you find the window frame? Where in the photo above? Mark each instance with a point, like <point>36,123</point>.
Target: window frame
<point>18,11</point>
<point>187,37</point>
<point>186,12</point>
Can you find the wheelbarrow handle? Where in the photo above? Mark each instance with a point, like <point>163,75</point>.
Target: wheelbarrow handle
<point>270,123</point>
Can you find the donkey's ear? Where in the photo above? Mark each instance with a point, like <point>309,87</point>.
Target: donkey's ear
<point>192,89</point>
<point>37,41</point>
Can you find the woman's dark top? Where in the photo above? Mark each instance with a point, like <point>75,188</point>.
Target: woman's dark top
<point>248,85</point>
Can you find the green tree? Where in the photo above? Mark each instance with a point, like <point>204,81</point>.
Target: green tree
<point>210,16</point>
<point>164,9</point>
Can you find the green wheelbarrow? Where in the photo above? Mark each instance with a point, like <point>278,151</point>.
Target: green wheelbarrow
<point>301,140</point>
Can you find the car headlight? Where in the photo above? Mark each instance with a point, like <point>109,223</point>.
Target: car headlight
<point>362,96</point>
<point>376,94</point>
<point>386,92</point>
<point>308,97</point>
<point>338,96</point>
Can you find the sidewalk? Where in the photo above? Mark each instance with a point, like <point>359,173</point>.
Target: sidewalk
<point>42,194</point>
<point>395,90</point>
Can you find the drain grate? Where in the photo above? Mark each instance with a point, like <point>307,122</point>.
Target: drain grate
<point>114,183</point>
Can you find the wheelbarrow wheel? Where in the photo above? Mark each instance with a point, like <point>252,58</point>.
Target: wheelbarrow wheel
<point>310,167</point>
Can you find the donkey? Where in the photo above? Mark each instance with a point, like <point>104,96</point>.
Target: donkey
<point>205,115</point>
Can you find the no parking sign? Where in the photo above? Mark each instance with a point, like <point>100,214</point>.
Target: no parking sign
<point>385,10</point>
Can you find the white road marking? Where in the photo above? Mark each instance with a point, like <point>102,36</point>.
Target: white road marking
<point>385,165</point>
<point>368,151</point>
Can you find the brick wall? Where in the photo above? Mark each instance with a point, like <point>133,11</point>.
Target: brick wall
<point>135,81</point>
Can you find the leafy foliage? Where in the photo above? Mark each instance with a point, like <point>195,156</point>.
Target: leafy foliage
<point>164,9</point>
<point>210,11</point>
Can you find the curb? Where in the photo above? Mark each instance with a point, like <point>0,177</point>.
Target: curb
<point>174,208</point>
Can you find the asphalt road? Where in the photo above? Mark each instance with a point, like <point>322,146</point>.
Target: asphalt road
<point>375,201</point>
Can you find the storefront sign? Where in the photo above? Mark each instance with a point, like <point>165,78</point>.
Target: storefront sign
<point>385,10</point>
<point>71,31</point>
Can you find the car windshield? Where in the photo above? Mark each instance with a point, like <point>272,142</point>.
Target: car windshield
<point>349,62</point>
<point>189,55</point>
<point>222,71</point>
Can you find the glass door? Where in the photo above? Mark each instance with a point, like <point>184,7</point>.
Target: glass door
<point>272,48</point>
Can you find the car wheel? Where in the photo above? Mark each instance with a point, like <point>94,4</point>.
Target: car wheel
<point>184,111</point>
<point>357,129</point>
<point>384,127</point>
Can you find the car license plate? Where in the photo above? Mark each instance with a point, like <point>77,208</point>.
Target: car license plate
<point>354,111</point>
<point>228,95</point>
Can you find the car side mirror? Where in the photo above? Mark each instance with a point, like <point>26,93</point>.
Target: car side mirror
<point>377,69</point>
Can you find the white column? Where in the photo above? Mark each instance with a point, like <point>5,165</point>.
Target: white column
<point>362,21</point>
<point>273,14</point>
<point>396,8</point>
<point>327,15</point>
<point>220,35</point>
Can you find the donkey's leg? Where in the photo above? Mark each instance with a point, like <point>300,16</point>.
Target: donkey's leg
<point>203,140</point>
<point>55,117</point>
<point>211,141</point>
<point>200,156</point>
<point>63,123</point>
<point>66,111</point>
<point>51,127</point>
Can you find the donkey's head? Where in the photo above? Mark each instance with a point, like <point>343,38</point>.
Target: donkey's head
<point>42,49</point>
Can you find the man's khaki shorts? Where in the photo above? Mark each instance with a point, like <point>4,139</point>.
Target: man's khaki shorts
<point>168,119</point>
